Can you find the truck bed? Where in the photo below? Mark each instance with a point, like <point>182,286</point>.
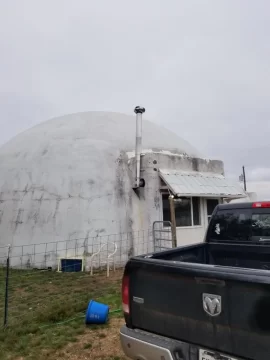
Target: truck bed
<point>167,291</point>
<point>233,255</point>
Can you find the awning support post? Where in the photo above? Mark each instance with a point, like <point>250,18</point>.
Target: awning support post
<point>173,221</point>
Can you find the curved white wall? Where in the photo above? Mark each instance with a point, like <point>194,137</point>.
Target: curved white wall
<point>71,179</point>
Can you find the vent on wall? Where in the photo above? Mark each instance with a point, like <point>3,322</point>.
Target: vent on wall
<point>70,264</point>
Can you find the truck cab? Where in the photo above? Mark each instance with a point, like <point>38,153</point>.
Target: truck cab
<point>208,301</point>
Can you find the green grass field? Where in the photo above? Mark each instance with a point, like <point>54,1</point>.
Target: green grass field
<point>46,309</point>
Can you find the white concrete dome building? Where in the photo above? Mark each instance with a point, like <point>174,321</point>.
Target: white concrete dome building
<point>71,178</point>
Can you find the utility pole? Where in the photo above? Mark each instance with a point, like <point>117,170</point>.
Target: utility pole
<point>244,179</point>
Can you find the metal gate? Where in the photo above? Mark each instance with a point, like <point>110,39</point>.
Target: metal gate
<point>162,235</point>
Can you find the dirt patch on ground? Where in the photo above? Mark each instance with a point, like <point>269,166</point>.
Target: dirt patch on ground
<point>96,344</point>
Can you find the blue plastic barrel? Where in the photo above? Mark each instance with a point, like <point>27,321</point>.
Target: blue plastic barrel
<point>96,313</point>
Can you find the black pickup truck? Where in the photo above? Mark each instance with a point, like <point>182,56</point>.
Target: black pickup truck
<point>209,301</point>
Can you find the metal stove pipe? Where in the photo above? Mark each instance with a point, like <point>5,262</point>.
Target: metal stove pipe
<point>138,111</point>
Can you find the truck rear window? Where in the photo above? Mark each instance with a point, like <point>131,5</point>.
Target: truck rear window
<point>261,227</point>
<point>240,225</point>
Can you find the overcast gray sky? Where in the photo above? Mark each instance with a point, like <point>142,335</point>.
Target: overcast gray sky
<point>201,68</point>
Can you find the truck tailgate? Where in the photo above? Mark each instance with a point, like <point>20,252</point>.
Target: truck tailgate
<point>179,302</point>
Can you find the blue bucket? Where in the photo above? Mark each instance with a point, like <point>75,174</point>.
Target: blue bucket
<point>96,313</point>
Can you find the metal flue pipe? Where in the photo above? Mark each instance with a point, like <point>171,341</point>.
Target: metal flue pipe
<point>138,111</point>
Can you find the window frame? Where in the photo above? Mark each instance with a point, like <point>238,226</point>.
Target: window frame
<point>228,214</point>
<point>191,211</point>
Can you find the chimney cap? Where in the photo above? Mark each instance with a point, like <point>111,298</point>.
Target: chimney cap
<point>139,110</point>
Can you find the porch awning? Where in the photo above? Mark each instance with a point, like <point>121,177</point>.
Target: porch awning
<point>182,183</point>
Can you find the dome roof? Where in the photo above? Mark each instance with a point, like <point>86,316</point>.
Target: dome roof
<point>98,130</point>
<point>69,179</point>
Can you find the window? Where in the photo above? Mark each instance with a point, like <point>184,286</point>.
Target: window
<point>261,227</point>
<point>211,204</point>
<point>166,208</point>
<point>240,225</point>
<point>231,225</point>
<point>196,211</point>
<point>183,212</point>
<point>187,211</point>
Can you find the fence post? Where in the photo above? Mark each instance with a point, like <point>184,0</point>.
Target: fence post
<point>6,291</point>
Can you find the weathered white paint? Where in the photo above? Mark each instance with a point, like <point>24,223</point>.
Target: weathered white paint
<point>131,154</point>
<point>251,196</point>
<point>71,178</point>
<point>190,235</point>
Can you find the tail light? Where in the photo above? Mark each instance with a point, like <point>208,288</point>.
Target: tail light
<point>263,204</point>
<point>125,294</point>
